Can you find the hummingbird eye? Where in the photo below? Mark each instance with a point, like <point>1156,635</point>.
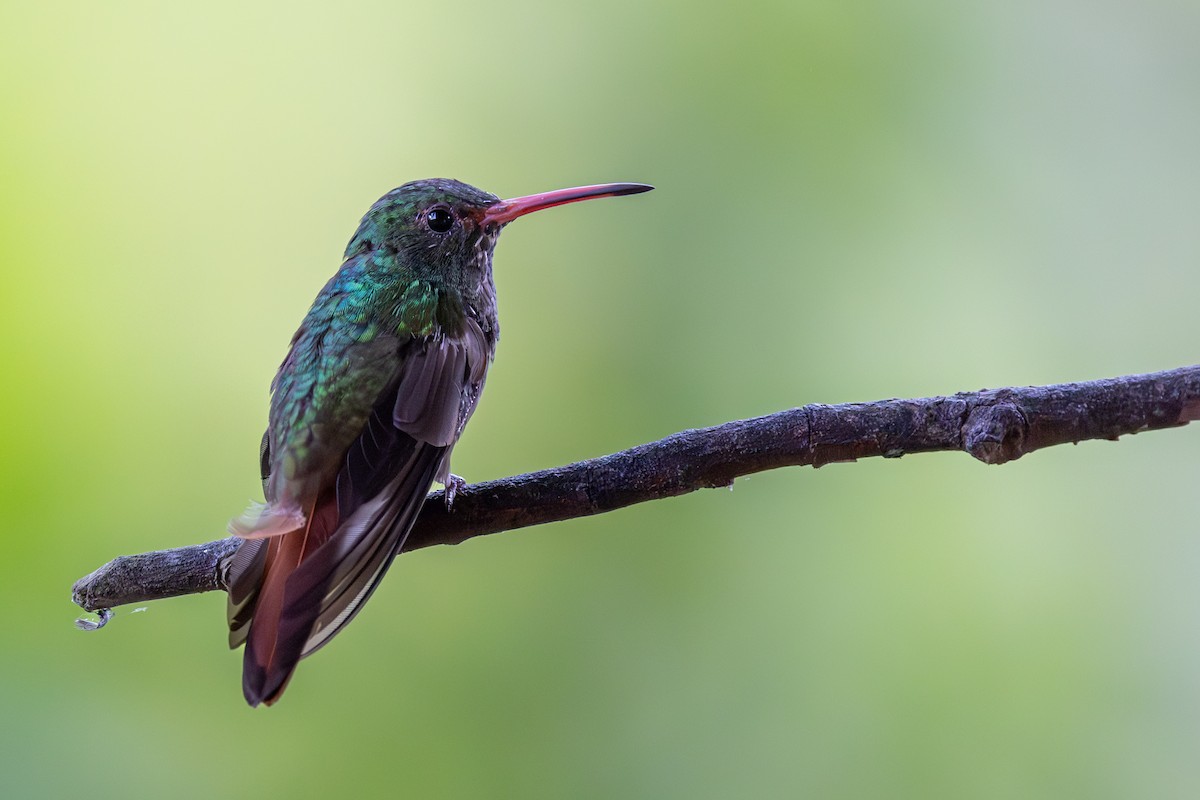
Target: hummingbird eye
<point>439,220</point>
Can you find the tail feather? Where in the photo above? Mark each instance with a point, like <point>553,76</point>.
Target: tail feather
<point>266,665</point>
<point>315,580</point>
<point>245,580</point>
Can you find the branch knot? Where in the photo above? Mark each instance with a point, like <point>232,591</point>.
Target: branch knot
<point>994,433</point>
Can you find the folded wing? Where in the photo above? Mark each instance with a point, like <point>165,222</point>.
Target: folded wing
<point>290,594</point>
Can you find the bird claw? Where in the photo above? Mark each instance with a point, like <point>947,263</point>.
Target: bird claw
<point>453,484</point>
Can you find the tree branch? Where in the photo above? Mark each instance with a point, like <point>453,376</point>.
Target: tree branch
<point>994,426</point>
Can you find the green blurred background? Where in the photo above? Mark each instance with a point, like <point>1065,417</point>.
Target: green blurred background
<point>855,201</point>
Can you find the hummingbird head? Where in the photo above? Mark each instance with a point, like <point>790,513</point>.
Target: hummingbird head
<point>444,230</point>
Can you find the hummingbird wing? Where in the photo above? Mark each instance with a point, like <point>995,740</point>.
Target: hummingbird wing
<point>290,594</point>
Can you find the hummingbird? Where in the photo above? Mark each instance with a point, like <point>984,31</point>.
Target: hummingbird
<point>376,388</point>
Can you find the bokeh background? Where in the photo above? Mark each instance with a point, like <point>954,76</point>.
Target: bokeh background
<point>855,201</point>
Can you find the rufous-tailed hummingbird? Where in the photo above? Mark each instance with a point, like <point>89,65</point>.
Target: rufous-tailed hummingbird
<point>376,388</point>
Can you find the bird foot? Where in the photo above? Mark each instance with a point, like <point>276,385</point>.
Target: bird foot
<point>453,484</point>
